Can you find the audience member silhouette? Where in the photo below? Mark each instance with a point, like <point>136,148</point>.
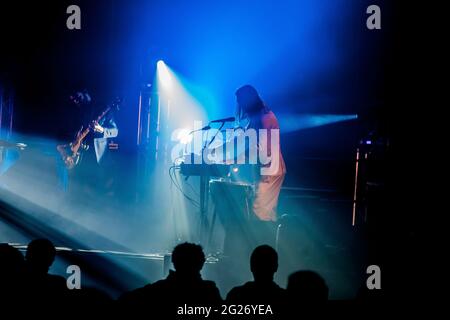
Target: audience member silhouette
<point>42,286</point>
<point>11,274</point>
<point>306,287</point>
<point>91,300</point>
<point>29,279</point>
<point>263,290</point>
<point>182,286</point>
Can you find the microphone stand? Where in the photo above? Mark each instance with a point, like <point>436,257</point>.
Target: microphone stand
<point>204,189</point>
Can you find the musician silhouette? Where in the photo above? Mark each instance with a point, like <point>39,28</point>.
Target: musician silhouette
<point>252,113</point>
<point>249,218</point>
<point>91,171</point>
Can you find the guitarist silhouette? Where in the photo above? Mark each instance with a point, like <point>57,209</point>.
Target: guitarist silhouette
<point>85,158</point>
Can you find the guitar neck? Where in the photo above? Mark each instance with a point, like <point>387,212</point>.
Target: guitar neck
<point>84,133</point>
<point>100,117</point>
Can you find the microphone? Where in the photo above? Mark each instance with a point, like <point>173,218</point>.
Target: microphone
<point>229,119</point>
<point>201,129</point>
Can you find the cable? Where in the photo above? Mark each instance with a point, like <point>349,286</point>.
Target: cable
<point>176,184</point>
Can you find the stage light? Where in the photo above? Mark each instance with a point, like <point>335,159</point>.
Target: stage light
<point>293,122</point>
<point>176,99</point>
<point>160,63</point>
<point>164,75</point>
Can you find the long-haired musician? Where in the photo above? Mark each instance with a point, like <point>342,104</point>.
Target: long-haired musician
<point>252,113</point>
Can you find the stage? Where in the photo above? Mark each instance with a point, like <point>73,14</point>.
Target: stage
<point>154,145</point>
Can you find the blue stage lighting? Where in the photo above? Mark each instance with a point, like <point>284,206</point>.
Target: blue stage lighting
<point>295,122</point>
<point>164,75</point>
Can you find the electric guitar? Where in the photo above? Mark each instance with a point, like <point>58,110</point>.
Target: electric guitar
<point>71,153</point>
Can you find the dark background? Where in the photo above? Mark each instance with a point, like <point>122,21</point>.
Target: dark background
<point>315,57</point>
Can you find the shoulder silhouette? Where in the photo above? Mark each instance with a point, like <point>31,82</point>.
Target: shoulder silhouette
<point>11,273</point>
<point>182,286</point>
<point>305,287</point>
<point>42,286</point>
<point>263,290</point>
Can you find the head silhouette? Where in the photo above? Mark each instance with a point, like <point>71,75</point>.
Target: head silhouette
<point>248,101</point>
<point>264,263</point>
<point>40,255</point>
<point>188,258</point>
<point>307,286</point>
